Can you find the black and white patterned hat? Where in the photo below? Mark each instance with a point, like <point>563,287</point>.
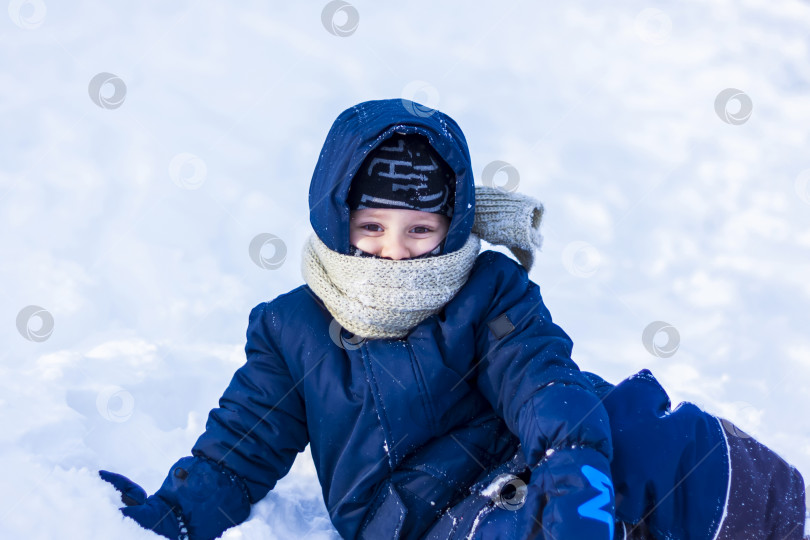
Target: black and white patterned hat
<point>404,172</point>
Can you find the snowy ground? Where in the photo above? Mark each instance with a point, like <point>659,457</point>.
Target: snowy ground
<point>129,222</point>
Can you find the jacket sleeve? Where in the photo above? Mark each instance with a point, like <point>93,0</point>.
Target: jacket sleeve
<point>260,424</point>
<point>526,372</point>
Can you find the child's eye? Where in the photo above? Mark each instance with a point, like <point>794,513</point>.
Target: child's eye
<point>423,231</point>
<point>367,225</point>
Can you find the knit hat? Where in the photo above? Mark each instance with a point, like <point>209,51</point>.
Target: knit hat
<point>404,172</point>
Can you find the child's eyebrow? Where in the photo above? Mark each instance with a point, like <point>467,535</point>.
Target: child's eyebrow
<point>379,214</point>
<point>431,221</point>
<point>426,221</point>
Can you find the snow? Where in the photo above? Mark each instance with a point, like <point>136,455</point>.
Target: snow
<point>131,224</point>
<point>479,517</point>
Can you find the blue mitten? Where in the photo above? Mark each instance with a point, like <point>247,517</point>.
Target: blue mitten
<point>151,513</point>
<point>571,496</point>
<point>198,500</point>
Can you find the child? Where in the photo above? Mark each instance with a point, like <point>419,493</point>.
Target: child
<point>438,398</point>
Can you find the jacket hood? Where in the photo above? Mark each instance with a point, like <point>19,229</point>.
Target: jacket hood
<point>360,129</point>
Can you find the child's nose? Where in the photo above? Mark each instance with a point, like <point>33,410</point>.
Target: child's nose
<point>395,249</point>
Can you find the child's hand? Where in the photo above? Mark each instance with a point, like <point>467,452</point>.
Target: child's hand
<point>199,499</point>
<point>131,493</point>
<point>151,513</point>
<point>571,495</point>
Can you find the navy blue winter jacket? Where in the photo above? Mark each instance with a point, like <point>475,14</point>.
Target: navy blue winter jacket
<point>401,429</point>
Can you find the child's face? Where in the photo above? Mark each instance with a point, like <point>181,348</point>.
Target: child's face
<point>396,234</point>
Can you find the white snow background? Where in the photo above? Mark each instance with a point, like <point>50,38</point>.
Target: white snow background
<point>131,225</point>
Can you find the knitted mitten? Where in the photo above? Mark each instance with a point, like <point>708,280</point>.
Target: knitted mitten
<point>509,219</point>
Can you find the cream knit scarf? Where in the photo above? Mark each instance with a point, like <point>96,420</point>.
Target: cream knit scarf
<point>382,298</point>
